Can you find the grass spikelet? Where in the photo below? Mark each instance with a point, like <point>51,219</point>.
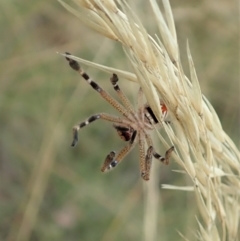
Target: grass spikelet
<point>203,149</point>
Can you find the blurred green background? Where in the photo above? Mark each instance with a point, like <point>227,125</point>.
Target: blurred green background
<point>49,191</point>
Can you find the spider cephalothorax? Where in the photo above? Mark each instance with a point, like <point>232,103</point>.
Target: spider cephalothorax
<point>133,127</point>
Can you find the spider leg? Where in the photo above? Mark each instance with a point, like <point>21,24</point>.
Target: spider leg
<point>121,128</point>
<point>148,160</point>
<point>103,116</point>
<point>148,163</point>
<point>145,161</point>
<point>111,161</point>
<point>122,96</point>
<point>165,159</point>
<point>140,103</point>
<point>75,66</point>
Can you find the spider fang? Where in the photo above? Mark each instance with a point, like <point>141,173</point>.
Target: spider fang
<point>133,127</point>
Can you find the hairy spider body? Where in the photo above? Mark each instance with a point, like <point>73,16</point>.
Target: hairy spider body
<point>133,127</point>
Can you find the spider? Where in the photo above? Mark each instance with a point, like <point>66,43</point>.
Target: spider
<point>133,127</point>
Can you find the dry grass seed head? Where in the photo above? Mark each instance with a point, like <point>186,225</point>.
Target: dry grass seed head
<point>204,150</point>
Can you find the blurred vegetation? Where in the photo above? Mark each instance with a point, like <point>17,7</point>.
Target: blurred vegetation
<point>42,98</point>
